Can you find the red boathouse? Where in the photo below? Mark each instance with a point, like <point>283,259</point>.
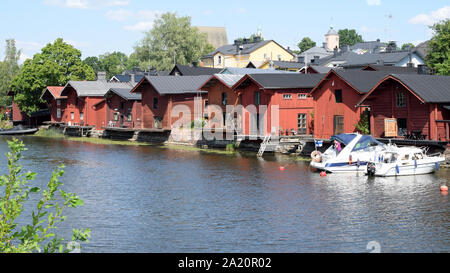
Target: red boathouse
<point>418,106</point>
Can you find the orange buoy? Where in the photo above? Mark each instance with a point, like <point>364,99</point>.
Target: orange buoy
<point>444,188</point>
<point>281,168</point>
<point>323,174</point>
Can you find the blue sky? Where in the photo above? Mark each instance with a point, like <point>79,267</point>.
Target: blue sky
<point>99,26</point>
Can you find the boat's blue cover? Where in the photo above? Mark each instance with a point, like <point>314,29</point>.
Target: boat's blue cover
<point>344,138</point>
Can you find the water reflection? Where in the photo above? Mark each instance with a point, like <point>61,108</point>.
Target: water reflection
<point>150,199</point>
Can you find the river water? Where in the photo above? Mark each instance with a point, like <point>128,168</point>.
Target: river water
<point>151,199</point>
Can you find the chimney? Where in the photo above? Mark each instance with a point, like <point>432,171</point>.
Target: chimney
<point>101,76</point>
<point>324,45</point>
<point>316,59</point>
<point>335,51</point>
<point>422,69</point>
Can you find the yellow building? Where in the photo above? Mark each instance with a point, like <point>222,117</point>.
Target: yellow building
<point>239,55</point>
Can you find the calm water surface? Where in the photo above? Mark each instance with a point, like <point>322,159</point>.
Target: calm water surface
<point>150,199</point>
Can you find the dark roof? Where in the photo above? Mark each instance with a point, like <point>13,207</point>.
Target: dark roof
<point>279,81</point>
<point>431,88</point>
<point>393,69</point>
<point>186,70</point>
<point>246,49</point>
<point>370,46</point>
<point>177,84</point>
<point>125,93</point>
<point>127,78</point>
<point>350,58</point>
<point>295,65</point>
<point>362,81</point>
<point>422,49</point>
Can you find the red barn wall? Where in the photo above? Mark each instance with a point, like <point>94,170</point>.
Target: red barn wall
<point>326,107</point>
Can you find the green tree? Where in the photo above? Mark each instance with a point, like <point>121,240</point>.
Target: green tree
<point>407,46</point>
<point>171,41</point>
<point>305,44</point>
<point>38,235</point>
<point>113,63</point>
<point>9,68</point>
<point>251,39</point>
<point>438,56</point>
<point>349,37</point>
<point>93,62</point>
<point>57,64</point>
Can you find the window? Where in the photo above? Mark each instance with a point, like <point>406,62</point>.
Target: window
<point>116,116</point>
<point>338,95</point>
<point>206,103</point>
<point>287,96</point>
<point>302,96</point>
<point>257,98</point>
<point>58,113</point>
<point>155,103</point>
<point>224,99</point>
<point>58,103</point>
<point>220,59</point>
<point>81,116</point>
<point>129,117</point>
<point>76,101</point>
<point>265,55</point>
<point>302,123</point>
<point>401,100</point>
<point>338,125</point>
<point>402,126</point>
<point>122,105</point>
<point>72,115</point>
<point>279,57</point>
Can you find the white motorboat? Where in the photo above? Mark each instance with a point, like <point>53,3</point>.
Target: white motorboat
<point>349,153</point>
<point>404,161</point>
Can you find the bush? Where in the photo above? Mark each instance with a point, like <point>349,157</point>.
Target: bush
<point>37,236</point>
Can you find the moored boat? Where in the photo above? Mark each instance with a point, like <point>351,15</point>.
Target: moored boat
<point>19,130</point>
<point>404,161</point>
<point>349,153</point>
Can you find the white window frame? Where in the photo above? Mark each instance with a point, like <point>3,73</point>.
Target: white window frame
<point>58,113</point>
<point>302,96</point>
<point>287,96</point>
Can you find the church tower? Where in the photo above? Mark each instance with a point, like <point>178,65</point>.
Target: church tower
<point>331,40</point>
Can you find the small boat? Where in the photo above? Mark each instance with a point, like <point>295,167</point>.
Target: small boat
<point>19,130</point>
<point>404,161</point>
<point>350,153</point>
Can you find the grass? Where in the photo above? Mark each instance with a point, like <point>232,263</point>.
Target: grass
<point>53,133</point>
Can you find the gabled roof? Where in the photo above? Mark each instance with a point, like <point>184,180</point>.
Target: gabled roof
<point>124,93</point>
<point>370,46</point>
<point>175,85</point>
<point>94,88</point>
<point>229,80</point>
<point>429,88</point>
<point>186,70</point>
<point>350,58</point>
<point>318,69</point>
<point>127,78</point>
<point>282,81</point>
<point>288,65</point>
<point>244,71</point>
<point>392,69</point>
<point>361,81</point>
<point>246,49</point>
<point>54,91</point>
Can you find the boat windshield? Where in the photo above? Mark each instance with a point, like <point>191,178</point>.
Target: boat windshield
<point>366,142</point>
<point>344,138</point>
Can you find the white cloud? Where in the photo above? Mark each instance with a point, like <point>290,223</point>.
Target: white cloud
<point>141,26</point>
<point>119,15</point>
<point>23,58</point>
<point>432,18</point>
<point>373,2</point>
<point>34,46</point>
<point>87,4</point>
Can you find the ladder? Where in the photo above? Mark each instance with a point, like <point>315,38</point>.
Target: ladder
<point>263,146</point>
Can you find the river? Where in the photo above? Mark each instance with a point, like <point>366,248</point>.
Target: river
<point>151,199</point>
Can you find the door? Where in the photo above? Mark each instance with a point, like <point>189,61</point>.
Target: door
<point>338,125</point>
<point>158,123</point>
<point>302,124</point>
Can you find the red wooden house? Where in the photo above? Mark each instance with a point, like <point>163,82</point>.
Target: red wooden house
<point>419,105</point>
<point>336,97</point>
<point>34,119</point>
<point>120,108</point>
<point>288,92</point>
<point>160,94</point>
<point>52,95</point>
<point>83,96</point>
